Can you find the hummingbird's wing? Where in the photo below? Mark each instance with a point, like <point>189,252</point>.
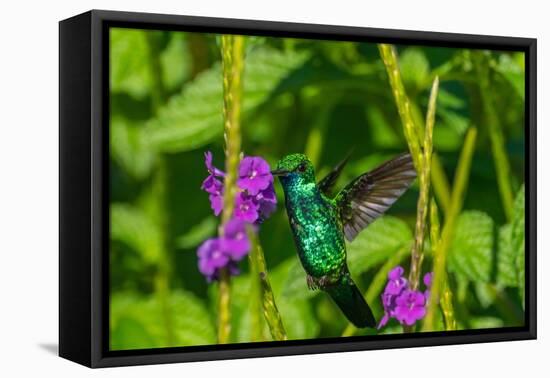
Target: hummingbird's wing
<point>326,184</point>
<point>371,194</point>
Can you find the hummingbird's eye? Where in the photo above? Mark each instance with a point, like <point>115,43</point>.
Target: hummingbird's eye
<point>302,167</point>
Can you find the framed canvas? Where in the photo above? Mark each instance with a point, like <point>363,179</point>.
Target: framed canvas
<point>235,188</point>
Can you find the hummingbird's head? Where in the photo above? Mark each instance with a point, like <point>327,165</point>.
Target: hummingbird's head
<point>295,168</point>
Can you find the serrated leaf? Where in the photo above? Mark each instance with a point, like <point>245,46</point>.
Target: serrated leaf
<point>130,149</point>
<point>518,240</point>
<point>138,322</point>
<point>378,242</point>
<point>193,118</point>
<point>193,324</point>
<point>471,252</point>
<point>507,274</point>
<point>132,226</point>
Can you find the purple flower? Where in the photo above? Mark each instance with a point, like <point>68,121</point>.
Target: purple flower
<point>384,320</point>
<point>396,281</point>
<point>235,240</point>
<point>254,202</point>
<point>219,253</point>
<point>246,209</point>
<point>212,185</point>
<point>388,301</point>
<point>410,307</point>
<point>216,203</point>
<point>402,303</point>
<point>254,175</point>
<point>267,202</point>
<point>211,169</point>
<point>395,286</point>
<point>428,277</point>
<point>211,258</point>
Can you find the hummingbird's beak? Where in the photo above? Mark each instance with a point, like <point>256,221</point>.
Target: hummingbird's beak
<point>280,172</point>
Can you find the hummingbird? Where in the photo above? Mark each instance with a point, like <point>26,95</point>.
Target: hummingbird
<point>320,223</point>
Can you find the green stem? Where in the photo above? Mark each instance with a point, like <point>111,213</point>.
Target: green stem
<point>153,203</point>
<point>161,280</point>
<point>411,130</point>
<point>441,187</point>
<point>256,295</point>
<point>316,136</point>
<point>446,300</point>
<point>233,65</point>
<point>417,254</point>
<point>457,197</point>
<point>157,87</point>
<point>259,269</point>
<point>498,144</point>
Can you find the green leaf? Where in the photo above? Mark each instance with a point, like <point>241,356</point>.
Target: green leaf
<point>129,62</point>
<point>507,274</point>
<point>471,253</point>
<point>295,285</point>
<point>175,62</point>
<point>518,240</point>
<point>132,226</point>
<point>448,100</point>
<point>414,67</point>
<point>486,322</point>
<point>138,321</point>
<point>455,121</point>
<point>378,242</point>
<point>129,148</point>
<point>193,324</point>
<point>193,118</point>
<point>296,309</point>
<point>298,318</point>
<point>485,294</point>
<point>202,231</point>
<point>514,73</point>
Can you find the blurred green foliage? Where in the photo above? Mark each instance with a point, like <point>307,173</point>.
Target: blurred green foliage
<point>318,97</point>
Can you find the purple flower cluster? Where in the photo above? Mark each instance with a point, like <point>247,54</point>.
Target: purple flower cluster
<point>256,199</point>
<point>400,302</point>
<point>254,202</point>
<point>224,252</point>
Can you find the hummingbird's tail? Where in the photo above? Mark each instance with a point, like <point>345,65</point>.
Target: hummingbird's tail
<point>350,300</point>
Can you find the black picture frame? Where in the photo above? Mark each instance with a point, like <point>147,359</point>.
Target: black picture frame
<point>84,189</point>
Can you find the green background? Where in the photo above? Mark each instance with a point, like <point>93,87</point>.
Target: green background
<point>317,97</point>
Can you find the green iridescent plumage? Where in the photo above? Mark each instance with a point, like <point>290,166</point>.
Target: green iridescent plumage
<point>321,224</point>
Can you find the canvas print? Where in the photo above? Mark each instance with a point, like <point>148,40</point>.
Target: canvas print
<point>267,189</point>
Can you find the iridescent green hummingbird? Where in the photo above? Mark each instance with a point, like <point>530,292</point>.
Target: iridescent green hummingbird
<point>320,224</point>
